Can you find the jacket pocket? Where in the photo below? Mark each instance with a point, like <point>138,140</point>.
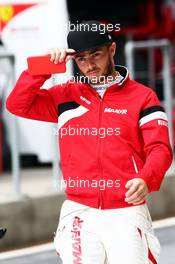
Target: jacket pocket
<point>135,165</point>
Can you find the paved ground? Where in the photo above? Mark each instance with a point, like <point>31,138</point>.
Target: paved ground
<point>165,235</point>
<point>39,258</point>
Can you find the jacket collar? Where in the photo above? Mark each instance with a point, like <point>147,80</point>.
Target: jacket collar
<point>123,72</point>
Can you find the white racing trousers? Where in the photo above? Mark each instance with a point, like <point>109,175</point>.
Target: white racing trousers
<point>87,235</point>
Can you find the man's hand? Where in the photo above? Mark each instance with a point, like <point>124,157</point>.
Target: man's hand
<point>137,192</point>
<point>60,55</point>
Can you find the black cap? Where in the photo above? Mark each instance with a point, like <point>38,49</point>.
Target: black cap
<point>88,35</point>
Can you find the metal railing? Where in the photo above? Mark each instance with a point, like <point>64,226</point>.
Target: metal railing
<point>165,46</point>
<point>14,142</point>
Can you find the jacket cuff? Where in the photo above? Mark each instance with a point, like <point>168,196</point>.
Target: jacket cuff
<point>149,178</point>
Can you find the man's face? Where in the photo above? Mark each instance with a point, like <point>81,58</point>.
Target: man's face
<point>96,64</point>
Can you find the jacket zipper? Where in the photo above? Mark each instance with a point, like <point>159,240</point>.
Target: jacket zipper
<point>135,165</point>
<point>99,146</point>
<point>99,153</point>
<point>99,139</point>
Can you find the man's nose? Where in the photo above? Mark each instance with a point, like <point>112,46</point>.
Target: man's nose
<point>90,63</point>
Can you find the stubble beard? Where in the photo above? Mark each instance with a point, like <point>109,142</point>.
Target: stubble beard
<point>102,78</point>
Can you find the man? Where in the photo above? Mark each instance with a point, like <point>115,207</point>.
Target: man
<point>114,148</point>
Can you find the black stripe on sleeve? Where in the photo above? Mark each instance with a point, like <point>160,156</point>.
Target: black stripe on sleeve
<point>151,110</point>
<point>67,106</point>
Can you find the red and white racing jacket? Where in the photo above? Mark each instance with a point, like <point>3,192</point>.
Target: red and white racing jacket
<point>103,142</point>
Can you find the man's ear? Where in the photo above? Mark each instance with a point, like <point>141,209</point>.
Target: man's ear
<point>112,49</point>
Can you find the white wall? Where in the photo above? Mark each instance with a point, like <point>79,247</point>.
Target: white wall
<point>29,33</point>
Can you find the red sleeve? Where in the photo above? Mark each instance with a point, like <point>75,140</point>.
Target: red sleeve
<point>28,100</point>
<point>153,125</point>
